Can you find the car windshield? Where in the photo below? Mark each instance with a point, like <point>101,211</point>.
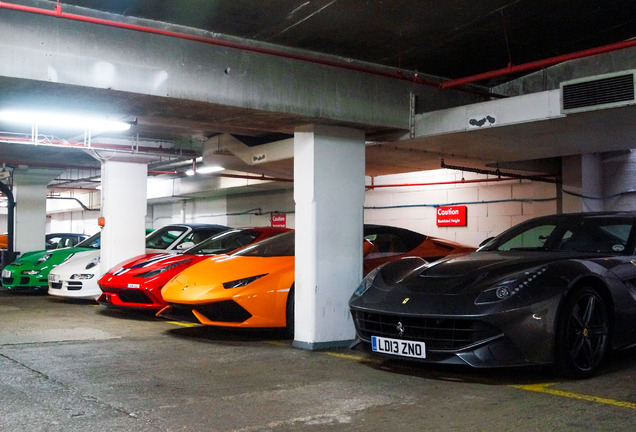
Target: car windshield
<point>93,242</point>
<point>164,237</point>
<point>576,234</point>
<point>280,245</point>
<point>225,242</point>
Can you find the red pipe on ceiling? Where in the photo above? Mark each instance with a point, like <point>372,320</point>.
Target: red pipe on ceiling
<point>401,75</point>
<point>539,64</point>
<point>462,181</point>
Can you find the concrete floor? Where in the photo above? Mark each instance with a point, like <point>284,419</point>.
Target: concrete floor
<point>75,366</point>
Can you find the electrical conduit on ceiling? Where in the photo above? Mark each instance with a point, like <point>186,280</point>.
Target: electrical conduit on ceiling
<point>343,64</point>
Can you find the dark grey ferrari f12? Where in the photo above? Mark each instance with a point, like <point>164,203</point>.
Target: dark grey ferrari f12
<point>555,290</point>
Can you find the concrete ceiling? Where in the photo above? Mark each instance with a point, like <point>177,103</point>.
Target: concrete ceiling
<point>450,40</point>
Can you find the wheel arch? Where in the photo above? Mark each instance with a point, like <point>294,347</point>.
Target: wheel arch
<point>601,287</point>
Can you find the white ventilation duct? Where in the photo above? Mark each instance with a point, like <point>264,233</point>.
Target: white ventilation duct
<point>218,149</point>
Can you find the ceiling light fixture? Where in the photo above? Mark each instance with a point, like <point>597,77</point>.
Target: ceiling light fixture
<point>64,121</point>
<point>204,170</point>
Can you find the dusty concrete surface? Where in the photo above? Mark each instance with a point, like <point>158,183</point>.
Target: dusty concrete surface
<point>76,366</point>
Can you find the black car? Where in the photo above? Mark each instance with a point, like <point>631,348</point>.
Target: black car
<point>552,290</point>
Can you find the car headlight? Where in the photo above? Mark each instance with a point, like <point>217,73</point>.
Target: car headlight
<point>82,276</point>
<point>242,282</point>
<point>43,258</point>
<point>367,282</point>
<point>155,272</point>
<point>509,287</point>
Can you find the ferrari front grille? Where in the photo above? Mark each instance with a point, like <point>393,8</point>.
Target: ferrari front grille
<point>224,311</point>
<point>438,333</point>
<point>134,296</point>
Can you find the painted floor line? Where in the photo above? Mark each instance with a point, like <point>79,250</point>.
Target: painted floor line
<point>541,388</point>
<point>183,324</point>
<point>353,357</point>
<point>544,388</point>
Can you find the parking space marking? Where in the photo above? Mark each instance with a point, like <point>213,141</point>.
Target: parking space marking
<point>540,388</point>
<point>545,388</point>
<point>182,324</point>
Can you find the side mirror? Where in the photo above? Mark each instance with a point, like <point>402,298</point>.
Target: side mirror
<point>185,245</point>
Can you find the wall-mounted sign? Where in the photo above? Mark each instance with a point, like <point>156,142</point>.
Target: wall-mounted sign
<point>451,216</point>
<point>279,220</point>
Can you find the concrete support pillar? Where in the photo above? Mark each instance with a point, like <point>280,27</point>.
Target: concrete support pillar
<point>329,195</point>
<point>582,183</point>
<point>124,211</point>
<point>29,191</point>
<point>619,180</point>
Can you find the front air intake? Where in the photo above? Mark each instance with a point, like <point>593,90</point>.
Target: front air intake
<point>605,91</point>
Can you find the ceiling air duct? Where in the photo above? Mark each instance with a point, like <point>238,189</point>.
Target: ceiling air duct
<point>602,91</point>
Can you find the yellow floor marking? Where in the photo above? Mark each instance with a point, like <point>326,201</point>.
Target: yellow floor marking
<point>355,357</point>
<point>183,324</point>
<point>346,356</point>
<point>543,388</point>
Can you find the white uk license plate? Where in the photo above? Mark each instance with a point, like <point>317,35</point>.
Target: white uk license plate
<point>6,273</point>
<point>55,278</point>
<point>398,347</point>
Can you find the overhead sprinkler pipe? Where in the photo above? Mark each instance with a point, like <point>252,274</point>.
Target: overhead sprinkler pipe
<point>539,64</point>
<point>452,182</point>
<point>341,64</point>
<point>347,64</point>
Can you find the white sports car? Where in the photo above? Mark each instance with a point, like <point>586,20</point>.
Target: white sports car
<point>77,277</point>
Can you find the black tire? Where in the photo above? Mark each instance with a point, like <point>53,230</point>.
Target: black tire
<point>583,334</point>
<point>289,314</point>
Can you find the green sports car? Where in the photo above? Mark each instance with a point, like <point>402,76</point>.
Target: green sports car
<point>31,270</point>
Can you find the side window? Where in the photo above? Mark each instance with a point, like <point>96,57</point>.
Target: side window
<point>383,245</point>
<point>533,238</point>
<point>598,237</point>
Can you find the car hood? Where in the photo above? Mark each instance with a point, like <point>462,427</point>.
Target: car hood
<point>79,262</point>
<point>30,259</point>
<point>467,273</point>
<point>203,281</point>
<point>147,261</point>
<point>151,261</point>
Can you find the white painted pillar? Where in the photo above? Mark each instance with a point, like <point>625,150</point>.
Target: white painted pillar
<point>124,210</point>
<point>582,177</point>
<point>29,192</point>
<point>329,195</point>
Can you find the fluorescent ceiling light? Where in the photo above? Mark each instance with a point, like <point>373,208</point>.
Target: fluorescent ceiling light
<point>205,170</point>
<point>63,121</point>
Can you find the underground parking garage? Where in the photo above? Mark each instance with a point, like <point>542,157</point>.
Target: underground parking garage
<point>314,134</point>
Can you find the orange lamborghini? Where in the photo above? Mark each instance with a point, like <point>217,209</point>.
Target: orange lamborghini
<point>254,287</point>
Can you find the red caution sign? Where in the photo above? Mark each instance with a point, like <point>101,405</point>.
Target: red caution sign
<point>451,216</point>
<point>279,220</point>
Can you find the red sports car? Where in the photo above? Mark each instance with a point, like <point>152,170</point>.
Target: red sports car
<point>137,282</point>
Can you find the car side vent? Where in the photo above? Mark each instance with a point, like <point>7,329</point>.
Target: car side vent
<point>606,91</point>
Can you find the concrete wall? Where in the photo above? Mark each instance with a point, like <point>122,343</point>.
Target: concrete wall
<point>491,207</point>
